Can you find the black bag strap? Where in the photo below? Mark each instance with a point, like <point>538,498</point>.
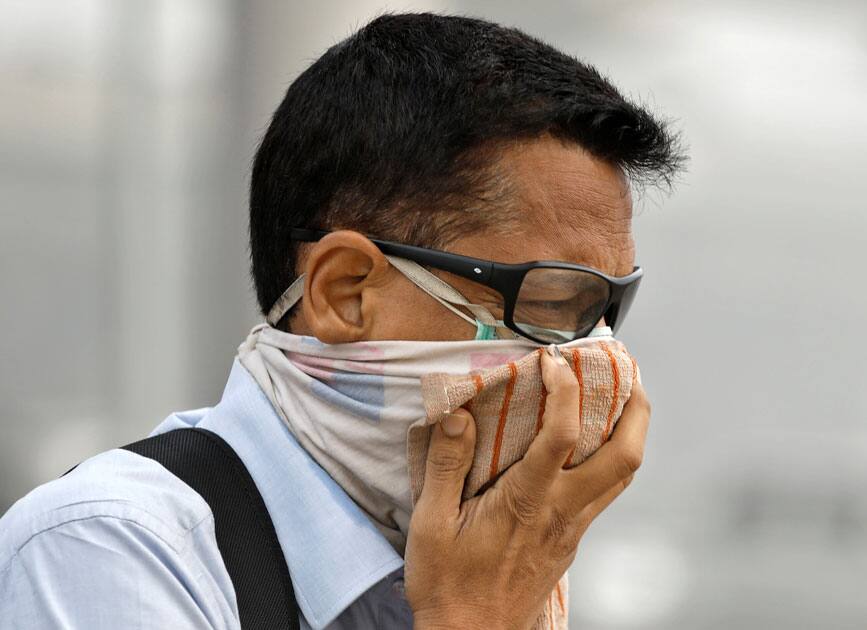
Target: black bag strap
<point>245,533</point>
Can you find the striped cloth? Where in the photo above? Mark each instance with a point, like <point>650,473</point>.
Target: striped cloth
<point>508,403</point>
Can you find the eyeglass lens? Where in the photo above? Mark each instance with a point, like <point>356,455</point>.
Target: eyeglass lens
<point>557,305</point>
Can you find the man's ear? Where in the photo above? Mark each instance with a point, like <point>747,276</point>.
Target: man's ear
<point>340,271</point>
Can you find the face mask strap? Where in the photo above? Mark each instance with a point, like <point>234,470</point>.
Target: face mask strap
<point>487,326</point>
<point>441,291</point>
<point>438,289</point>
<point>286,301</point>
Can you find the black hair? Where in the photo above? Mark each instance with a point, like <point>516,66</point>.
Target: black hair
<point>395,125</point>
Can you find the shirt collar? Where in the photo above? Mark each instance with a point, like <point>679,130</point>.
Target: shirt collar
<point>333,550</point>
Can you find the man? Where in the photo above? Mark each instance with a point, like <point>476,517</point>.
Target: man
<point>458,137</point>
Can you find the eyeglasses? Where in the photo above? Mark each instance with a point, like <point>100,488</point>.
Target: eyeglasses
<point>544,301</point>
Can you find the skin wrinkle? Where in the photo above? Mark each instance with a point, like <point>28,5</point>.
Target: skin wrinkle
<point>593,201</point>
<point>586,201</point>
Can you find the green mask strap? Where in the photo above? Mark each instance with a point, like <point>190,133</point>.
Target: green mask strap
<point>485,332</point>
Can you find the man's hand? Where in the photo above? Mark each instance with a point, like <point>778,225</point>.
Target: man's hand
<point>491,561</point>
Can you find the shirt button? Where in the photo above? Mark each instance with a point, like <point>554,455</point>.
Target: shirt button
<point>398,588</point>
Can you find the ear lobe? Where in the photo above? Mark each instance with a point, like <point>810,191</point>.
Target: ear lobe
<point>340,271</point>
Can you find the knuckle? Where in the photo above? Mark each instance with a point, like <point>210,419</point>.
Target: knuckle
<point>444,463</point>
<point>627,461</point>
<point>525,510</point>
<point>563,437</point>
<point>524,506</point>
<point>563,381</point>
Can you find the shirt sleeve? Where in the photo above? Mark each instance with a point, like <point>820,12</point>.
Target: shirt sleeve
<point>107,572</point>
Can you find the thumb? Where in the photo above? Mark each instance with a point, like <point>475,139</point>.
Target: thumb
<point>449,456</point>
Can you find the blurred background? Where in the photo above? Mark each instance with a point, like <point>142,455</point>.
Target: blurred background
<point>127,130</point>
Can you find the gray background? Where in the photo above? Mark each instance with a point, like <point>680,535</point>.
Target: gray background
<point>126,134</point>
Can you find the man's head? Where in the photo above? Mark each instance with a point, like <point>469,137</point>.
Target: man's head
<point>449,133</point>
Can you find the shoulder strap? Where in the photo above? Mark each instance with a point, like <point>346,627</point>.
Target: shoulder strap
<point>244,531</point>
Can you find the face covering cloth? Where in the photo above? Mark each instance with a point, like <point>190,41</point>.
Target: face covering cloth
<point>363,410</point>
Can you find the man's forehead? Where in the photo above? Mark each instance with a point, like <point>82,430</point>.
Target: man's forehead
<point>566,205</point>
<point>561,181</point>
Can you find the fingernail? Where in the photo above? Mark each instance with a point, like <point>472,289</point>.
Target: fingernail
<point>454,424</point>
<point>554,351</point>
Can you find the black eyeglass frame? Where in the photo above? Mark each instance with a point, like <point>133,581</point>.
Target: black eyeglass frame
<point>505,278</point>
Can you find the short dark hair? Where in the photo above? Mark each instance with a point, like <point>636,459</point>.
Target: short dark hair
<point>396,124</point>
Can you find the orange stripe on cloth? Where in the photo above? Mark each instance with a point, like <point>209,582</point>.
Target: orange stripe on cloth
<point>579,374</point>
<point>479,385</point>
<point>615,372</point>
<point>560,599</point>
<point>501,426</point>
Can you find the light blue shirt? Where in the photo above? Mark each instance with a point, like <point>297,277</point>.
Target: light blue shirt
<point>122,543</point>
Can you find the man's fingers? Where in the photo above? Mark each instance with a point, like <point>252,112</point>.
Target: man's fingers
<point>614,462</point>
<point>449,457</point>
<point>561,425</point>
